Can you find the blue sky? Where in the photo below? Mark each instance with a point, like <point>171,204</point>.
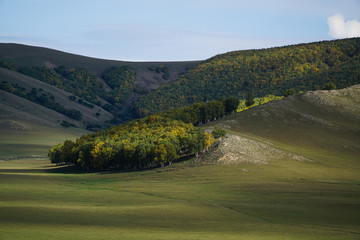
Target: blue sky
<point>157,30</point>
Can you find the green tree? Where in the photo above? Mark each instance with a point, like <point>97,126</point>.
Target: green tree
<point>231,104</point>
<point>329,86</point>
<point>289,92</point>
<point>55,154</point>
<point>218,132</point>
<point>249,100</point>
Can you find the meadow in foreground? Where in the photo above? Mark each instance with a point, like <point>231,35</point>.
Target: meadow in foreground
<point>282,200</point>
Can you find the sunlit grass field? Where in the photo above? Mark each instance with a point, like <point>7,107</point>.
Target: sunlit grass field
<point>284,200</point>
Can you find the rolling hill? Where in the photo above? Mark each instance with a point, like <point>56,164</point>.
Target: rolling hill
<point>287,170</point>
<point>128,90</point>
<point>322,127</point>
<point>266,71</point>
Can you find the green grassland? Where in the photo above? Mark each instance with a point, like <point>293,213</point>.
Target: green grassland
<point>184,201</point>
<point>22,138</point>
<point>307,185</point>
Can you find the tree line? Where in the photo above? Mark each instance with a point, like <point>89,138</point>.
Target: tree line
<point>201,113</point>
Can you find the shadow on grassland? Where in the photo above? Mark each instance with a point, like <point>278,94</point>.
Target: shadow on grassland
<point>45,169</point>
<point>72,169</point>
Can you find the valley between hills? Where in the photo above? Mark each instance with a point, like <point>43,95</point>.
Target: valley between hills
<point>285,169</point>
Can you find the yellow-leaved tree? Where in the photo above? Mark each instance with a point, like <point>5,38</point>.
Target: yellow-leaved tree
<point>209,140</point>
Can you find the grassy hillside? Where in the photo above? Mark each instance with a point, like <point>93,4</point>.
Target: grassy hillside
<point>84,77</point>
<point>261,72</point>
<point>287,170</point>
<point>322,127</point>
<point>31,86</point>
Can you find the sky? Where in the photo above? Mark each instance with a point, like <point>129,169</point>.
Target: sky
<point>174,30</point>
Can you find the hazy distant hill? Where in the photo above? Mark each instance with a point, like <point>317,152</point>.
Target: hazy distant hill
<point>261,72</point>
<point>24,55</point>
<point>84,77</point>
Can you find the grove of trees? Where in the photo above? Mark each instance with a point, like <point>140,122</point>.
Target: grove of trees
<point>148,142</point>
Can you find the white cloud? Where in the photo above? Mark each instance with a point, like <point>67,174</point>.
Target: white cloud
<point>339,28</point>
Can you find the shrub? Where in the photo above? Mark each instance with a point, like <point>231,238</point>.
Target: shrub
<point>329,86</point>
<point>289,92</point>
<point>218,132</point>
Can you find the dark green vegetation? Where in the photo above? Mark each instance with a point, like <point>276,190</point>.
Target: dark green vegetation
<point>329,86</point>
<point>149,142</point>
<point>200,113</point>
<point>290,91</point>
<point>267,71</point>
<point>287,170</point>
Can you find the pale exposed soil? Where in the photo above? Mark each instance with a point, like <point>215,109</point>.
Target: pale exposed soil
<point>235,149</point>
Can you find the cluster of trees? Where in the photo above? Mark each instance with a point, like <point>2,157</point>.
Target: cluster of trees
<point>199,113</point>
<point>44,99</point>
<point>148,142</point>
<point>302,67</point>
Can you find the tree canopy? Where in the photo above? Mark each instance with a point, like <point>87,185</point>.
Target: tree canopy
<point>148,142</point>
